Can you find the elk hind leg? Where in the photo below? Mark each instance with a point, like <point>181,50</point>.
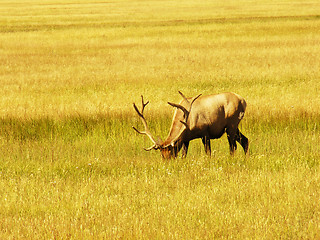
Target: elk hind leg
<point>243,140</point>
<point>232,140</point>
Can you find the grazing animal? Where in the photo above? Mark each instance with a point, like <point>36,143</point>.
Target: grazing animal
<point>205,117</point>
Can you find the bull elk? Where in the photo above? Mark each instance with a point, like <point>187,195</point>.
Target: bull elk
<point>205,117</point>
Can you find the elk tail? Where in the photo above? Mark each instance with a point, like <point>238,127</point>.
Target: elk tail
<point>241,115</point>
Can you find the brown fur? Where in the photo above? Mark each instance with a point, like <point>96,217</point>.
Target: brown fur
<point>209,118</point>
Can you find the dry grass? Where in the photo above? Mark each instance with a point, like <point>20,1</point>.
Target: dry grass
<point>71,168</point>
<point>96,60</point>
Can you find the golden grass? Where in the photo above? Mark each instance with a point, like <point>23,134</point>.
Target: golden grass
<point>71,166</point>
<point>92,60</point>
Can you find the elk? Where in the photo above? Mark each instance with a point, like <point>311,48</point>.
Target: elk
<point>205,117</point>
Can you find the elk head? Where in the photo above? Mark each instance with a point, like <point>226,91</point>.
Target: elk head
<point>171,149</point>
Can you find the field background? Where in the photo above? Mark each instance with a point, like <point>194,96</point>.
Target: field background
<point>71,167</point>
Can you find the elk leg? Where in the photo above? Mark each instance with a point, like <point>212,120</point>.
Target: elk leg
<point>232,141</point>
<point>244,142</point>
<point>185,146</point>
<point>207,146</point>
<point>232,144</point>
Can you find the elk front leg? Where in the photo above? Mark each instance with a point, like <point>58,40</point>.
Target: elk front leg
<point>207,146</point>
<point>185,146</point>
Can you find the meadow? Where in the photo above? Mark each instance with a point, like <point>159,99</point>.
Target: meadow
<point>71,166</point>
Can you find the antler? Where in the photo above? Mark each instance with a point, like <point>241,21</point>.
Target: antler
<point>186,114</point>
<point>185,111</point>
<point>146,131</point>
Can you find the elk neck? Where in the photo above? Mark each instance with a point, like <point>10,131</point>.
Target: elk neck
<point>176,129</point>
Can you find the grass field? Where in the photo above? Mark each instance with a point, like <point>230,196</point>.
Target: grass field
<point>71,166</point>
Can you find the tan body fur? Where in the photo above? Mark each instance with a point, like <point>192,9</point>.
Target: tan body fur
<point>208,117</point>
